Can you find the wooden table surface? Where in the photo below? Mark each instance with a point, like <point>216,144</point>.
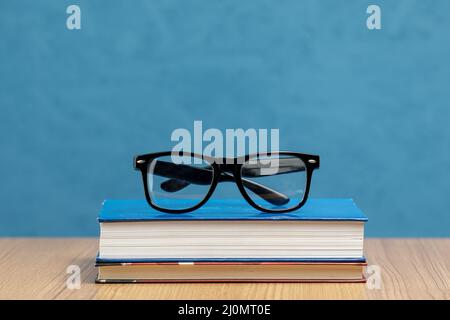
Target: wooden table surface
<point>35,268</point>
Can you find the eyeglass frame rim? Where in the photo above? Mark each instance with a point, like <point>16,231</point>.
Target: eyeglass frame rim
<point>141,163</point>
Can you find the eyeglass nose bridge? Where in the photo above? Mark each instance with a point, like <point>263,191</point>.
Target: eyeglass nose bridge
<point>230,170</point>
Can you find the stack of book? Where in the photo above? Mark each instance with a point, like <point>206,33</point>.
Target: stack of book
<point>229,241</point>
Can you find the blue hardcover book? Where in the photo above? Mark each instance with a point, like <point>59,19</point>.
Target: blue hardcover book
<point>324,230</point>
<point>231,209</point>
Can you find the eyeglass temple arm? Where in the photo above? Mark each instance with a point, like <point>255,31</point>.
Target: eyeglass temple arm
<point>250,170</point>
<point>284,165</point>
<point>268,194</point>
<point>180,176</point>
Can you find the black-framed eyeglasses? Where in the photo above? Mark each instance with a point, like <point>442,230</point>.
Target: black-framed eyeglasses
<point>179,182</point>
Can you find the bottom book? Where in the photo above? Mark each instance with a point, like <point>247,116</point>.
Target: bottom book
<point>231,272</point>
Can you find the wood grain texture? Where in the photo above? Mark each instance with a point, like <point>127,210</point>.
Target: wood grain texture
<point>35,268</point>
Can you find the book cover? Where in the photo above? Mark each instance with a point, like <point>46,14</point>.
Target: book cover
<point>231,272</point>
<point>102,261</point>
<point>227,209</point>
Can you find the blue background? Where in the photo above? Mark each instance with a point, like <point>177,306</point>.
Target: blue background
<point>77,105</point>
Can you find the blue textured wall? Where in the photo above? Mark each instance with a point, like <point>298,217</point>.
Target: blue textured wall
<point>77,105</point>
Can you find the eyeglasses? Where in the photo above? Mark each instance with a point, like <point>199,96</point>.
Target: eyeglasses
<point>179,182</point>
